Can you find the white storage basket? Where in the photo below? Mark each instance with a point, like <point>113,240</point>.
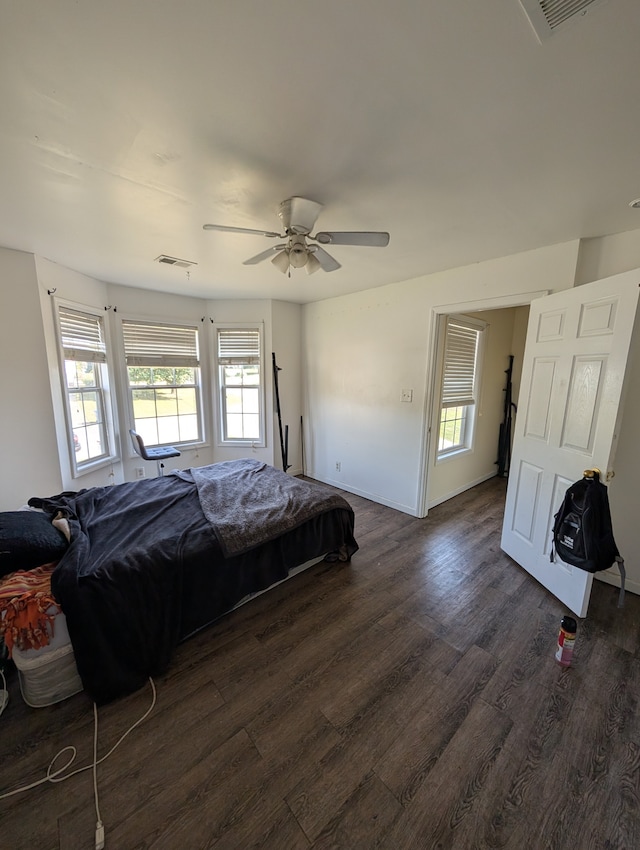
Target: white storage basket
<point>48,675</point>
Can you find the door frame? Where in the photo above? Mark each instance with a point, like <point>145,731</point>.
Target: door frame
<point>520,299</point>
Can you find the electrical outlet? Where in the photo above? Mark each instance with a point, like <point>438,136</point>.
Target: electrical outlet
<point>139,471</point>
<point>338,466</point>
<point>407,395</point>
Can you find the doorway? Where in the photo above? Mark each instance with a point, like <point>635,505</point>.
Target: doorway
<point>503,336</point>
<point>506,333</point>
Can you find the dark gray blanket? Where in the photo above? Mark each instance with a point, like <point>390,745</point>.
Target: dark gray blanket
<point>249,503</point>
<point>145,568</point>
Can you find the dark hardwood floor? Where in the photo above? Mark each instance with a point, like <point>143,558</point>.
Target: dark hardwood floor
<point>409,699</point>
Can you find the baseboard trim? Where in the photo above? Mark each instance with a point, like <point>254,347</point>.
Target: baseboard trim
<point>433,503</point>
<point>373,497</point>
<point>613,577</point>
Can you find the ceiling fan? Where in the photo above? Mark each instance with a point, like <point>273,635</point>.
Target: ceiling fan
<point>298,216</point>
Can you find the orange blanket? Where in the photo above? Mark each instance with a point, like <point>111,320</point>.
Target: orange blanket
<point>25,600</point>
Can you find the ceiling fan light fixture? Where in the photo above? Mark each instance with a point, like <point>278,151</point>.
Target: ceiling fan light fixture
<point>297,258</point>
<point>635,204</point>
<point>312,264</point>
<point>281,261</point>
<point>298,251</point>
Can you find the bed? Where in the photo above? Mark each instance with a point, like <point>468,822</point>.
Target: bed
<point>151,562</point>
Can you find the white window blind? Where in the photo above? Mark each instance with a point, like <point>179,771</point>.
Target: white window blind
<point>149,344</point>
<point>460,354</point>
<point>238,346</point>
<point>82,336</point>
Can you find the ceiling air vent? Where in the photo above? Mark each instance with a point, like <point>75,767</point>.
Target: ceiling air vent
<point>174,261</point>
<point>547,16</point>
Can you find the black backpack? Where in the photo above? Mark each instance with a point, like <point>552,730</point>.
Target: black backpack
<point>582,531</point>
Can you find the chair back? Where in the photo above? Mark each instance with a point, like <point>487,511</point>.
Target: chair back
<point>138,445</point>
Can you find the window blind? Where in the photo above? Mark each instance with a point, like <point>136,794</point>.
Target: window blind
<point>149,344</point>
<point>460,354</point>
<point>82,336</point>
<point>238,346</point>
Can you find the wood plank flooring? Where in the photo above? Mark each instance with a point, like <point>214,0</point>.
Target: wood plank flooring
<point>409,699</point>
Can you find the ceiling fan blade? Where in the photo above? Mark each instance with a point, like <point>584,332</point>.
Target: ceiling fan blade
<point>263,255</point>
<point>326,261</point>
<point>225,229</point>
<point>368,238</point>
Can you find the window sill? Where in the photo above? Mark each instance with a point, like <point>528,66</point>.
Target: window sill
<point>453,454</point>
<point>88,468</point>
<point>241,444</point>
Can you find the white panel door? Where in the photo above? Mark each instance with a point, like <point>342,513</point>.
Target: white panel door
<point>569,410</point>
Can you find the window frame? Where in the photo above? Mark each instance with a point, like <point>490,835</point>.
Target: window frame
<point>459,389</point>
<point>239,327</point>
<point>98,350</point>
<point>153,356</point>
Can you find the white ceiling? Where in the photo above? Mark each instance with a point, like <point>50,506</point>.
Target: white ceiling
<point>126,125</point>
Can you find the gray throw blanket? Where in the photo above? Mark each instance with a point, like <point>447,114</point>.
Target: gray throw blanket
<point>249,502</point>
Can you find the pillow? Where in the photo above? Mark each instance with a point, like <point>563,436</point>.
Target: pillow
<point>27,540</point>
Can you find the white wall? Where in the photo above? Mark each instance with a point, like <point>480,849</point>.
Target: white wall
<point>27,435</point>
<point>608,255</point>
<point>362,350</point>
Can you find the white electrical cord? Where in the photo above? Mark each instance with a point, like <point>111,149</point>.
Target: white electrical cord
<point>56,775</point>
<point>4,693</point>
<point>99,826</point>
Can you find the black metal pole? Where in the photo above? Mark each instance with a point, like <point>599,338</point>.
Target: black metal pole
<point>283,443</point>
<point>504,439</point>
